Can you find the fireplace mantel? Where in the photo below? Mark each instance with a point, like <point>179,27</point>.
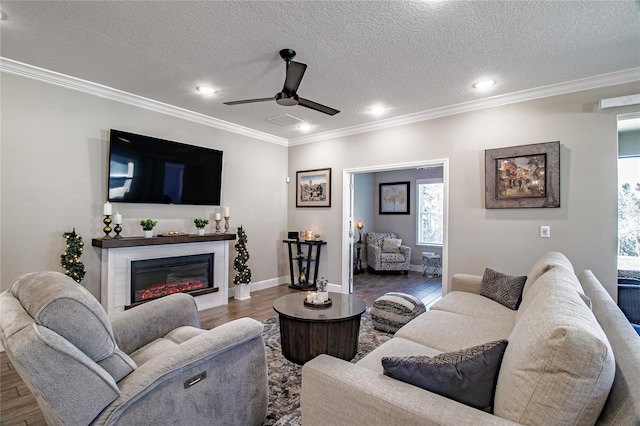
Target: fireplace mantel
<point>118,253</point>
<point>106,243</point>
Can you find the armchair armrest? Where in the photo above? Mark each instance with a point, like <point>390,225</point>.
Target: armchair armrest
<point>224,368</point>
<point>348,390</point>
<point>138,326</point>
<point>373,256</point>
<point>466,282</point>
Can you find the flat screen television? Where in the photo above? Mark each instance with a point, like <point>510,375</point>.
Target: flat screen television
<point>143,169</point>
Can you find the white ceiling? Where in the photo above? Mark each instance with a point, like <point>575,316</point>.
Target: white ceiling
<point>411,56</point>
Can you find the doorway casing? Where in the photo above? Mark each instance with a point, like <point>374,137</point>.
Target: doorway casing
<point>348,221</point>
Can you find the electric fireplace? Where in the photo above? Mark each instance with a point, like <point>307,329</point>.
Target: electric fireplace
<point>154,278</point>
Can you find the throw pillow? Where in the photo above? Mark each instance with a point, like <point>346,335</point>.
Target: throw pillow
<point>504,289</point>
<point>391,245</point>
<point>468,376</point>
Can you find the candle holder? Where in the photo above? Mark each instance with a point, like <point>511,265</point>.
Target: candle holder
<point>226,224</point>
<point>118,230</point>
<point>217,226</point>
<point>107,228</point>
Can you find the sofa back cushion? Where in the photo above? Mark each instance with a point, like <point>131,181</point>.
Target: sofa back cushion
<point>553,277</point>
<point>558,367</point>
<point>623,404</point>
<point>547,261</point>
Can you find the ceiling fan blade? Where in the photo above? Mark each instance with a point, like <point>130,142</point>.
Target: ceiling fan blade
<point>316,106</point>
<point>295,71</point>
<point>249,101</point>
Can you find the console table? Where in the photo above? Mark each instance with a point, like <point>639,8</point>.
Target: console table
<point>304,263</point>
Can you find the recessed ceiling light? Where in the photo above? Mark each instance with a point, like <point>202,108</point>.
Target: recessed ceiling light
<point>304,127</point>
<point>206,90</point>
<point>484,84</point>
<point>377,110</point>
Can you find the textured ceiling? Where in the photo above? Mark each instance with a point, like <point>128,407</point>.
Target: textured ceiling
<point>411,56</point>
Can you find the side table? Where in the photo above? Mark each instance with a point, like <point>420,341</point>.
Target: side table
<point>431,264</point>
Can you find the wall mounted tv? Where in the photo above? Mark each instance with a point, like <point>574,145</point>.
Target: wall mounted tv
<point>143,169</point>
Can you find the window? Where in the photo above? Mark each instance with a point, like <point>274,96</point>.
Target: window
<point>430,209</point>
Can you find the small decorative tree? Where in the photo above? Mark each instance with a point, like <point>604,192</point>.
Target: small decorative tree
<point>240,262</point>
<point>70,259</point>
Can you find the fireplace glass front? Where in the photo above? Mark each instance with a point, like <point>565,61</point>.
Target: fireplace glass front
<point>154,278</point>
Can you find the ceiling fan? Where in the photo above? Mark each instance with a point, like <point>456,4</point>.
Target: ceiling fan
<point>288,95</point>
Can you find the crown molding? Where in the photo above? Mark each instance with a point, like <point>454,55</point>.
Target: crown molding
<point>602,80</point>
<point>52,77</point>
<point>18,68</point>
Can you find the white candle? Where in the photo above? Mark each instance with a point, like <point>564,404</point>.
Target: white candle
<point>226,211</point>
<point>217,216</point>
<point>117,218</point>
<point>309,297</point>
<point>108,210</point>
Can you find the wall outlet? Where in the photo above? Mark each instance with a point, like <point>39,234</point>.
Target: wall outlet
<point>545,231</point>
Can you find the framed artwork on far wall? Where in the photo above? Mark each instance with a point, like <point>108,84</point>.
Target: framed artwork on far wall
<point>394,198</point>
<point>526,176</point>
<point>313,188</point>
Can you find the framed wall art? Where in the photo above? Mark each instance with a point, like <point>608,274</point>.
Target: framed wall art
<point>526,176</point>
<point>313,188</point>
<point>394,198</point>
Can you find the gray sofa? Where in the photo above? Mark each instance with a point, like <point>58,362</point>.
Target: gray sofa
<point>572,358</point>
<point>148,365</point>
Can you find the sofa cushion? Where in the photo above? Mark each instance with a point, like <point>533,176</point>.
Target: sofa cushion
<point>464,303</point>
<point>448,332</point>
<point>560,277</point>
<point>468,376</point>
<point>391,245</point>
<point>504,289</point>
<point>396,346</point>
<point>547,261</point>
<point>558,367</point>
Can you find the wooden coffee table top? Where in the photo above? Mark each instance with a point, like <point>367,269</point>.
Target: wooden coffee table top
<point>343,306</point>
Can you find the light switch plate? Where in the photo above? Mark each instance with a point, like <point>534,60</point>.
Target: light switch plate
<point>545,231</point>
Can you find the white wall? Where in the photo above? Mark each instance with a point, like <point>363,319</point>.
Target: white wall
<point>584,227</point>
<point>54,145</point>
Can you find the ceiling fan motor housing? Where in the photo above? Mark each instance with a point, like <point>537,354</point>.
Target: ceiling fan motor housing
<point>287,99</point>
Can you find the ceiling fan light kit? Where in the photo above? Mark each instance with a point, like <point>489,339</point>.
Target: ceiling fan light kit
<point>288,96</point>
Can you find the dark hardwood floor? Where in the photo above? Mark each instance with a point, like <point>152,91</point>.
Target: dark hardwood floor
<point>18,407</point>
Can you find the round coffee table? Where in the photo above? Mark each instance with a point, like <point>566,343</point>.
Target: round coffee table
<point>306,332</point>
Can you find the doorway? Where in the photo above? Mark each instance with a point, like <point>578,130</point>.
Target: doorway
<point>350,231</point>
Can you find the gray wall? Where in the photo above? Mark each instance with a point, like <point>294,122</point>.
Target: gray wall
<point>584,227</point>
<point>53,159</point>
<point>54,167</point>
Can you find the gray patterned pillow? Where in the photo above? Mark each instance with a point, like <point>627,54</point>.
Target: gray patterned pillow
<point>504,289</point>
<point>468,376</point>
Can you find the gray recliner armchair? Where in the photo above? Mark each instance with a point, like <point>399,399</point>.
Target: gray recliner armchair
<point>148,365</point>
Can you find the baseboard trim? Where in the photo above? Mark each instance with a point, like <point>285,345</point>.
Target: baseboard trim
<point>261,285</point>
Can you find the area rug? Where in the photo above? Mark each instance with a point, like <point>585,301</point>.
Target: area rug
<point>284,376</point>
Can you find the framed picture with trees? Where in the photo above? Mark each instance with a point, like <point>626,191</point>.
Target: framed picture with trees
<point>394,198</point>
